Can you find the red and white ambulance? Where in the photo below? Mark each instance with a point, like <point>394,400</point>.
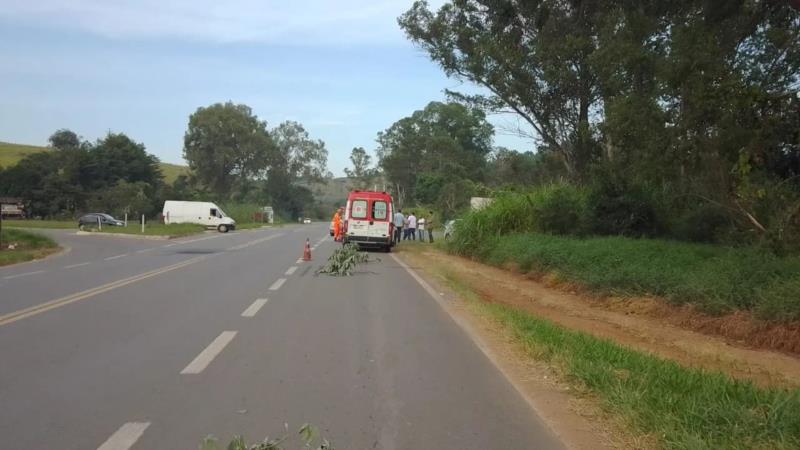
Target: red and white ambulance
<point>368,220</point>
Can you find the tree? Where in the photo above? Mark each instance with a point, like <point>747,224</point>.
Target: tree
<point>361,173</point>
<point>226,145</point>
<point>533,56</point>
<point>64,139</point>
<point>296,157</point>
<point>117,157</point>
<point>444,139</point>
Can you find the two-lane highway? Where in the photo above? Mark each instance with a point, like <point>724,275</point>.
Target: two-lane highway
<point>234,334</point>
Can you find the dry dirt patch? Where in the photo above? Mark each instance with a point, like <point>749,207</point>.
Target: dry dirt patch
<point>646,325</point>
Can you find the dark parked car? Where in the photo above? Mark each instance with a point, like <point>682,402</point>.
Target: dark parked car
<point>92,219</point>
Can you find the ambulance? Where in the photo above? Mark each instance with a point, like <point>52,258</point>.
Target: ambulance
<point>368,220</point>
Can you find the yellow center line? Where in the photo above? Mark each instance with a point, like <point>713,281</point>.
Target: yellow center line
<point>57,303</point>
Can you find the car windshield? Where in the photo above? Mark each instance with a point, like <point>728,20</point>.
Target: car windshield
<point>106,216</point>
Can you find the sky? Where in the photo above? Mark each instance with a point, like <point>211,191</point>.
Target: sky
<point>344,69</point>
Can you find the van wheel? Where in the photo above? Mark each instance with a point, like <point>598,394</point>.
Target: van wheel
<point>222,228</point>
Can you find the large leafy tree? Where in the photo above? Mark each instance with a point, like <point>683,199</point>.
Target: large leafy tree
<point>533,56</point>
<point>117,157</point>
<point>362,172</point>
<point>296,157</point>
<point>226,146</point>
<point>439,144</point>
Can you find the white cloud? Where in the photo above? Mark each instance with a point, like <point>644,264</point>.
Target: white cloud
<point>265,21</point>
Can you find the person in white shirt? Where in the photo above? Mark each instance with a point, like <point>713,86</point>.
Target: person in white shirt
<point>412,226</point>
<point>421,228</point>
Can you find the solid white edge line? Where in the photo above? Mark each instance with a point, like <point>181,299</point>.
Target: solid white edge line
<point>205,357</point>
<point>77,265</point>
<point>115,257</point>
<point>478,341</point>
<point>125,437</point>
<point>277,284</point>
<point>9,277</point>
<point>291,271</point>
<point>253,309</point>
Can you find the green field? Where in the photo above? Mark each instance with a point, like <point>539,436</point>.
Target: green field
<point>10,154</point>
<point>28,246</point>
<point>678,407</point>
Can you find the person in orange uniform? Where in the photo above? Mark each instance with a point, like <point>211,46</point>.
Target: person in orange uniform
<point>337,225</point>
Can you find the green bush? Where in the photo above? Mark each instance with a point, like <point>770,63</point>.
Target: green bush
<point>716,279</point>
<point>703,223</point>
<point>556,209</point>
<point>618,208</point>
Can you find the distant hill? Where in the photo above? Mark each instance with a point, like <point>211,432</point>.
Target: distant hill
<point>334,191</point>
<point>10,154</point>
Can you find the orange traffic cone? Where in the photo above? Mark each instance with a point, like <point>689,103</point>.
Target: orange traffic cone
<point>307,252</point>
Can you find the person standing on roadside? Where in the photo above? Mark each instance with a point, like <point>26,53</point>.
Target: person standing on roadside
<point>337,225</point>
<point>429,226</point>
<point>421,228</point>
<point>412,226</point>
<point>398,220</point>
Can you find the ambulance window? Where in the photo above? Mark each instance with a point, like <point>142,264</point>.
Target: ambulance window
<point>379,210</point>
<point>359,209</point>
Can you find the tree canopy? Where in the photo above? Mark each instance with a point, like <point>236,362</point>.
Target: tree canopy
<point>440,145</point>
<point>226,145</point>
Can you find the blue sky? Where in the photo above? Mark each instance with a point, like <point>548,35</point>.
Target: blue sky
<point>343,69</point>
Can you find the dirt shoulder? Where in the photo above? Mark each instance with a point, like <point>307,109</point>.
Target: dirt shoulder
<point>646,325</point>
<point>573,416</point>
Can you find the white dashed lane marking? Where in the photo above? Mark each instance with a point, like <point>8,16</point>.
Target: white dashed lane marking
<point>19,275</point>
<point>277,284</point>
<point>253,309</point>
<point>125,437</point>
<point>205,357</point>
<point>291,271</point>
<point>115,257</point>
<point>76,265</point>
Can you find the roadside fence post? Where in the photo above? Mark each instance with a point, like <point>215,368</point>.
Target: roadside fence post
<point>142,223</point>
<point>126,220</point>
<point>99,224</point>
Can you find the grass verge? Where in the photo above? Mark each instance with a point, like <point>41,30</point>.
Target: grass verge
<point>715,279</point>
<point>674,406</point>
<point>28,246</point>
<point>157,229</point>
<point>40,224</point>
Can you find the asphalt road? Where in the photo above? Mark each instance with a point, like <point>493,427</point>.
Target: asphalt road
<point>123,343</point>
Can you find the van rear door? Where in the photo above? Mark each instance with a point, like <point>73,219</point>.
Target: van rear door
<point>369,218</point>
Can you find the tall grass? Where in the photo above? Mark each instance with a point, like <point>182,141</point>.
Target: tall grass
<point>527,230</point>
<point>679,407</point>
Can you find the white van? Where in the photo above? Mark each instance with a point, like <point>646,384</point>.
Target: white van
<point>202,213</point>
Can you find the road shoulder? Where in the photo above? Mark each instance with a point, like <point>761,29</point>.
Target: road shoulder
<point>577,421</point>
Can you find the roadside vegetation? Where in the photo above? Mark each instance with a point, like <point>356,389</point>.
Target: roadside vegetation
<point>670,405</point>
<point>553,230</point>
<point>53,224</point>
<point>157,229</point>
<point>307,437</point>
<point>25,246</point>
